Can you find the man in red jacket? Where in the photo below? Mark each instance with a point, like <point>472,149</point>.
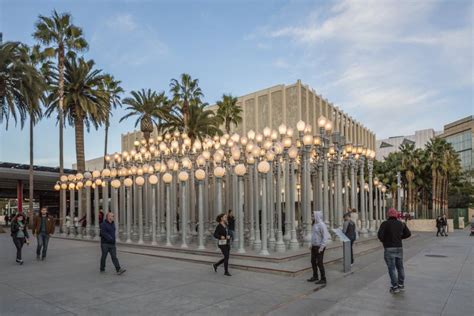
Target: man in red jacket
<point>391,233</point>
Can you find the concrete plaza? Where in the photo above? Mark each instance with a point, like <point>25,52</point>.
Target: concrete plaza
<point>69,283</point>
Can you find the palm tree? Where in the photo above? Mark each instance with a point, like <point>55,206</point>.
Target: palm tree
<point>85,103</point>
<point>185,94</point>
<point>21,89</point>
<point>434,148</point>
<point>61,39</point>
<point>150,108</point>
<point>228,111</point>
<point>201,123</point>
<point>113,90</point>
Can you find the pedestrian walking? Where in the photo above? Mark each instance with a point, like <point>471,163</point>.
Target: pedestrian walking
<point>439,225</point>
<point>444,222</point>
<point>19,233</point>
<point>355,219</point>
<point>391,233</point>
<point>319,238</point>
<point>43,228</point>
<point>107,243</point>
<point>6,219</point>
<point>348,228</point>
<point>231,224</point>
<point>223,242</point>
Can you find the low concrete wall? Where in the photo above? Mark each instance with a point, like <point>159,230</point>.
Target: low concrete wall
<point>426,225</point>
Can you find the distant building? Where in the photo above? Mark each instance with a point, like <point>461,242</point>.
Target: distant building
<point>93,164</point>
<point>286,104</point>
<point>461,135</point>
<point>392,144</point>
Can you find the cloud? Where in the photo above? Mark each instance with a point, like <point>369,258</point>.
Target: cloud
<point>122,22</point>
<point>382,60</point>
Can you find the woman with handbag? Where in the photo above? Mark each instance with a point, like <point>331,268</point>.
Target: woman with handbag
<point>222,235</point>
<point>19,235</point>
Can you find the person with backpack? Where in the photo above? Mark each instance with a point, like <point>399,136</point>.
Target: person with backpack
<point>349,229</point>
<point>391,233</point>
<point>19,233</point>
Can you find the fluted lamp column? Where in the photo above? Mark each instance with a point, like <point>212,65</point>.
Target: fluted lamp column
<point>115,185</point>
<point>240,171</point>
<point>128,182</point>
<point>219,172</point>
<point>140,181</point>
<point>88,185</point>
<point>167,178</point>
<point>153,179</point>
<point>200,175</point>
<point>183,177</point>
<point>292,154</point>
<point>263,168</point>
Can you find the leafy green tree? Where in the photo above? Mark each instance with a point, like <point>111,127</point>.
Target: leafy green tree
<point>229,112</point>
<point>185,93</point>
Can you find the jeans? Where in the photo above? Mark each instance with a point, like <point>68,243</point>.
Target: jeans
<point>317,262</point>
<point>226,252</point>
<point>106,248</point>
<point>43,240</point>
<point>19,242</point>
<point>394,260</point>
<point>444,231</point>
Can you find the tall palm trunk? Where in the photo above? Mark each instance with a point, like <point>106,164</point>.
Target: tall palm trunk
<point>80,156</point>
<point>105,143</point>
<point>186,115</point>
<point>62,207</point>
<point>433,195</point>
<point>31,183</point>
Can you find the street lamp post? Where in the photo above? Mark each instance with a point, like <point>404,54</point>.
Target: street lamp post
<point>263,169</point>
<point>240,171</point>
<point>200,174</point>
<point>167,179</point>
<point>128,182</point>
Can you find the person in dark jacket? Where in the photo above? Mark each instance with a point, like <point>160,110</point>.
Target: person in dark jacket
<point>43,228</point>
<point>444,225</point>
<point>19,233</point>
<point>439,225</point>
<point>391,233</point>
<point>231,224</point>
<point>349,229</point>
<point>223,241</point>
<point>107,243</point>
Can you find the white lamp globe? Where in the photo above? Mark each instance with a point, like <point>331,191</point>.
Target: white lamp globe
<point>57,187</point>
<point>235,137</point>
<point>63,186</point>
<point>98,181</point>
<point>95,173</point>
<point>113,173</point>
<point>263,166</point>
<point>251,160</point>
<point>235,154</point>
<point>163,168</point>
<point>63,178</point>
<point>240,169</point>
<point>308,140</point>
<point>282,129</point>
<point>201,161</point>
<point>71,186</point>
<point>87,175</point>
<point>274,135</point>
<point>128,182</point>
<point>186,163</point>
<point>153,179</point>
<point>200,174</point>
<point>115,184</point>
<point>79,185</point>
<point>267,144</point>
<point>328,126</point>
<point>270,155</point>
<point>293,152</point>
<point>267,131</point>
<point>183,176</point>
<point>219,172</point>
<point>251,134</point>
<point>289,132</point>
<point>287,142</point>
<point>259,137</point>
<point>167,178</point>
<point>171,164</point>
<point>140,171</point>
<point>151,170</point>
<point>244,140</point>
<point>157,166</point>
<point>71,177</point>
<point>300,126</point>
<point>206,154</point>
<point>140,181</point>
<point>79,176</point>
<point>88,183</point>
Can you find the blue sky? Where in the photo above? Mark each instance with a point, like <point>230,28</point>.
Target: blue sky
<point>396,66</point>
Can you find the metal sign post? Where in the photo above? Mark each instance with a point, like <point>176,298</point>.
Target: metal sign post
<point>346,249</point>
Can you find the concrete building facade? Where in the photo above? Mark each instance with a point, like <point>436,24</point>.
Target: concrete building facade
<point>388,145</point>
<point>461,135</point>
<point>287,104</point>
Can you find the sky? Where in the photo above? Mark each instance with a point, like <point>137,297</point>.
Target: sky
<point>396,66</point>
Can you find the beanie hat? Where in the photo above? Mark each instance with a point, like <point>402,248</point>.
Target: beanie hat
<point>392,213</point>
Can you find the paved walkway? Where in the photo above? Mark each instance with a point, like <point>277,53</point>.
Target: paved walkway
<point>69,283</point>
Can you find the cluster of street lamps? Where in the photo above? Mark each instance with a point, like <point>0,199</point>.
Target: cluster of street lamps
<point>170,189</point>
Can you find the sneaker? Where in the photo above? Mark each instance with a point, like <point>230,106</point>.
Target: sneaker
<point>401,287</point>
<point>215,267</point>
<point>121,271</point>
<point>43,258</point>
<point>228,274</point>
<point>313,279</point>
<point>394,290</point>
<point>322,281</point>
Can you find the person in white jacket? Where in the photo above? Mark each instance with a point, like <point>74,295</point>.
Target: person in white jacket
<point>319,238</point>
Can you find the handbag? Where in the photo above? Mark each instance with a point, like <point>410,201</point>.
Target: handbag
<point>222,242</point>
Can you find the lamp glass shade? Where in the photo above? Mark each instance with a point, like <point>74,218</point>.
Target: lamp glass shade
<point>98,181</point>
<point>71,177</point>
<point>263,166</point>
<point>322,122</point>
<point>87,175</point>
<point>128,182</point>
<point>153,179</point>
<point>183,176</point>
<point>88,183</point>
<point>96,173</point>
<point>200,174</point>
<point>79,185</point>
<point>113,173</point>
<point>293,152</point>
<point>308,140</point>
<point>219,172</point>
<point>240,169</point>
<point>63,178</point>
<point>282,129</point>
<point>300,126</point>
<point>115,183</point>
<point>167,178</point>
<point>140,181</point>
<point>63,186</point>
<point>267,131</point>
<point>57,187</point>
<point>71,186</point>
